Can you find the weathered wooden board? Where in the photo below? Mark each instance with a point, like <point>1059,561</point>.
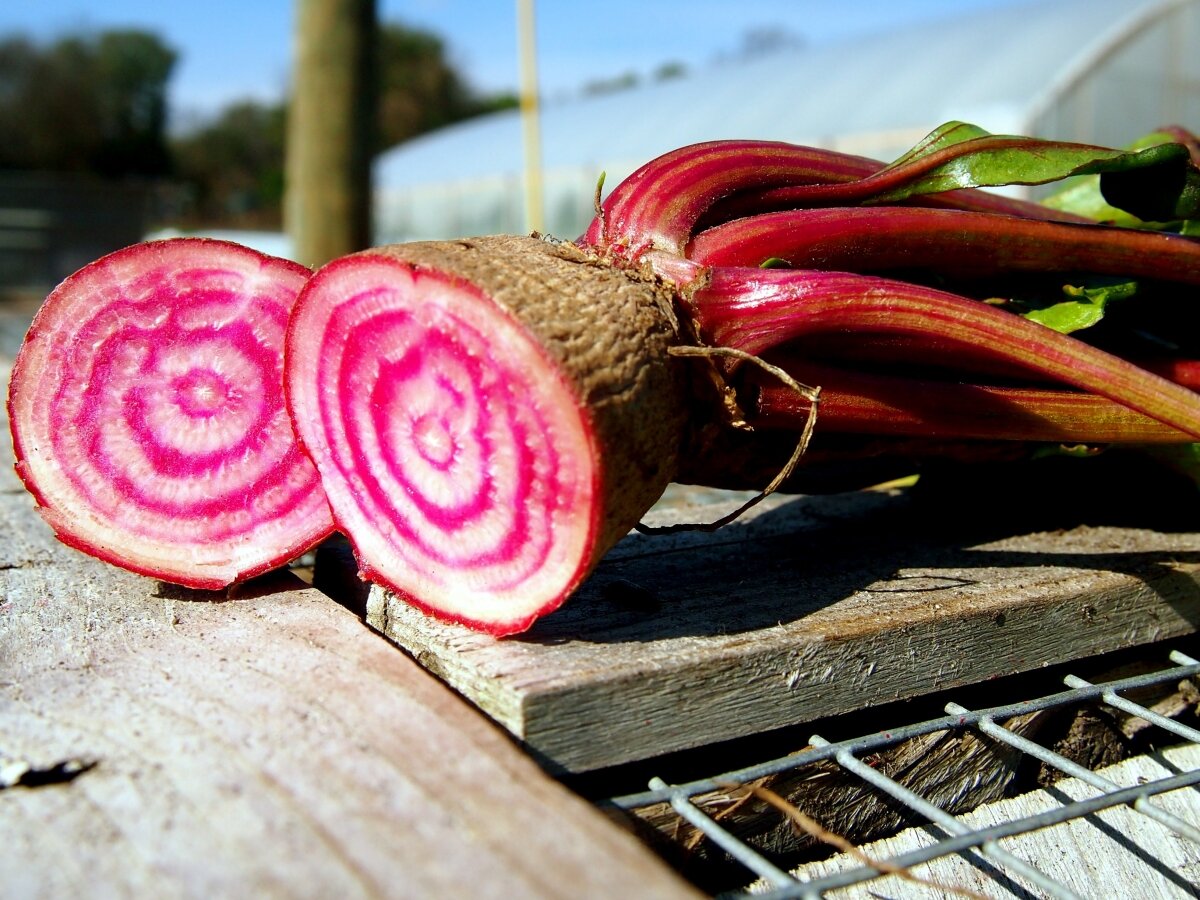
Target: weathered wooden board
<point>1115,853</point>
<point>811,607</point>
<point>265,745</point>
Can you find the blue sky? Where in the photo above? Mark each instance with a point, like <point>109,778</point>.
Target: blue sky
<point>231,49</point>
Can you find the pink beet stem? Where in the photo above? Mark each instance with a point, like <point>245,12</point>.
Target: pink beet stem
<point>953,242</point>
<point>755,310</point>
<point>868,403</point>
<point>659,204</point>
<point>1181,371</point>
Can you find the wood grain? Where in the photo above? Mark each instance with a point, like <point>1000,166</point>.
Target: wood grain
<point>810,607</point>
<point>265,744</point>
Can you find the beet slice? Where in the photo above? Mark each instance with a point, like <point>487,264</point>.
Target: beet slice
<point>147,414</point>
<point>488,416</point>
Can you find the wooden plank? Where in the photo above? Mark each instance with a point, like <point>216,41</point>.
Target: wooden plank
<point>1114,853</point>
<point>810,607</point>
<point>261,745</point>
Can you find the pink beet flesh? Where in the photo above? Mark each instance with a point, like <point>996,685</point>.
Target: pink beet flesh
<point>147,413</point>
<point>453,456</point>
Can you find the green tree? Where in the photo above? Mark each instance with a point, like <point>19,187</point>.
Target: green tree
<point>419,89</point>
<point>132,69</point>
<point>233,166</point>
<point>92,103</point>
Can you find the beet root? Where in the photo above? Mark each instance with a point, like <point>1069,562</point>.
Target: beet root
<point>147,414</point>
<point>489,416</point>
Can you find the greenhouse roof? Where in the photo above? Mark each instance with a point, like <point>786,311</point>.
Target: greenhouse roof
<point>996,68</point>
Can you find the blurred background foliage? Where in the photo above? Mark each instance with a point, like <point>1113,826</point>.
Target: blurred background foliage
<point>92,103</point>
<point>96,104</point>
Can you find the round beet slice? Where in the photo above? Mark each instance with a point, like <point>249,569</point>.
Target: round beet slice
<point>147,414</point>
<point>488,416</point>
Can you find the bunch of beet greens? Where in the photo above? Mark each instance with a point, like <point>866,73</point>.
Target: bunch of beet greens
<point>485,418</point>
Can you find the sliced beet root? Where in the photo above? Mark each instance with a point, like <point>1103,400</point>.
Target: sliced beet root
<point>147,414</point>
<point>488,417</point>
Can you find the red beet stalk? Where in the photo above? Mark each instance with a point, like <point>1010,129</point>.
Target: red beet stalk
<point>951,242</point>
<point>658,206</point>
<point>681,233</point>
<point>855,402</point>
<point>661,204</point>
<point>755,310</point>
<point>147,414</point>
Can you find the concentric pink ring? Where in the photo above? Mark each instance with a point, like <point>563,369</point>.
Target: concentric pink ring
<point>148,415</point>
<point>452,450</point>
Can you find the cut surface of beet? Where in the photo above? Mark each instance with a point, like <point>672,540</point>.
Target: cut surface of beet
<point>146,407</point>
<point>459,463</point>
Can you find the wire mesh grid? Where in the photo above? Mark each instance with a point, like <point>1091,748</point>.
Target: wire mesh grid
<point>958,837</point>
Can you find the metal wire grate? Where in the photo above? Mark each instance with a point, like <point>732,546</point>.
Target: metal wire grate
<point>959,837</point>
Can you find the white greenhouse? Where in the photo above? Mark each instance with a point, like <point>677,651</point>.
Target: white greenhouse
<point>1099,71</point>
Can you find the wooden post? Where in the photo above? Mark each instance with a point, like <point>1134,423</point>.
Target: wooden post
<point>530,116</point>
<point>327,208</point>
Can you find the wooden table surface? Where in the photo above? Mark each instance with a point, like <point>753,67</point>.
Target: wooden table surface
<point>159,742</point>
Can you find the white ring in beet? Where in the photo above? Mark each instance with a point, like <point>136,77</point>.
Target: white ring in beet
<point>455,456</point>
<point>148,420</point>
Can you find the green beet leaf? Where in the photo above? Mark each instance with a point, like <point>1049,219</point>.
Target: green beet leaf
<point>1083,307</point>
<point>1163,196</point>
<point>1166,189</point>
<point>945,135</point>
<point>1146,182</point>
<point>1081,196</point>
